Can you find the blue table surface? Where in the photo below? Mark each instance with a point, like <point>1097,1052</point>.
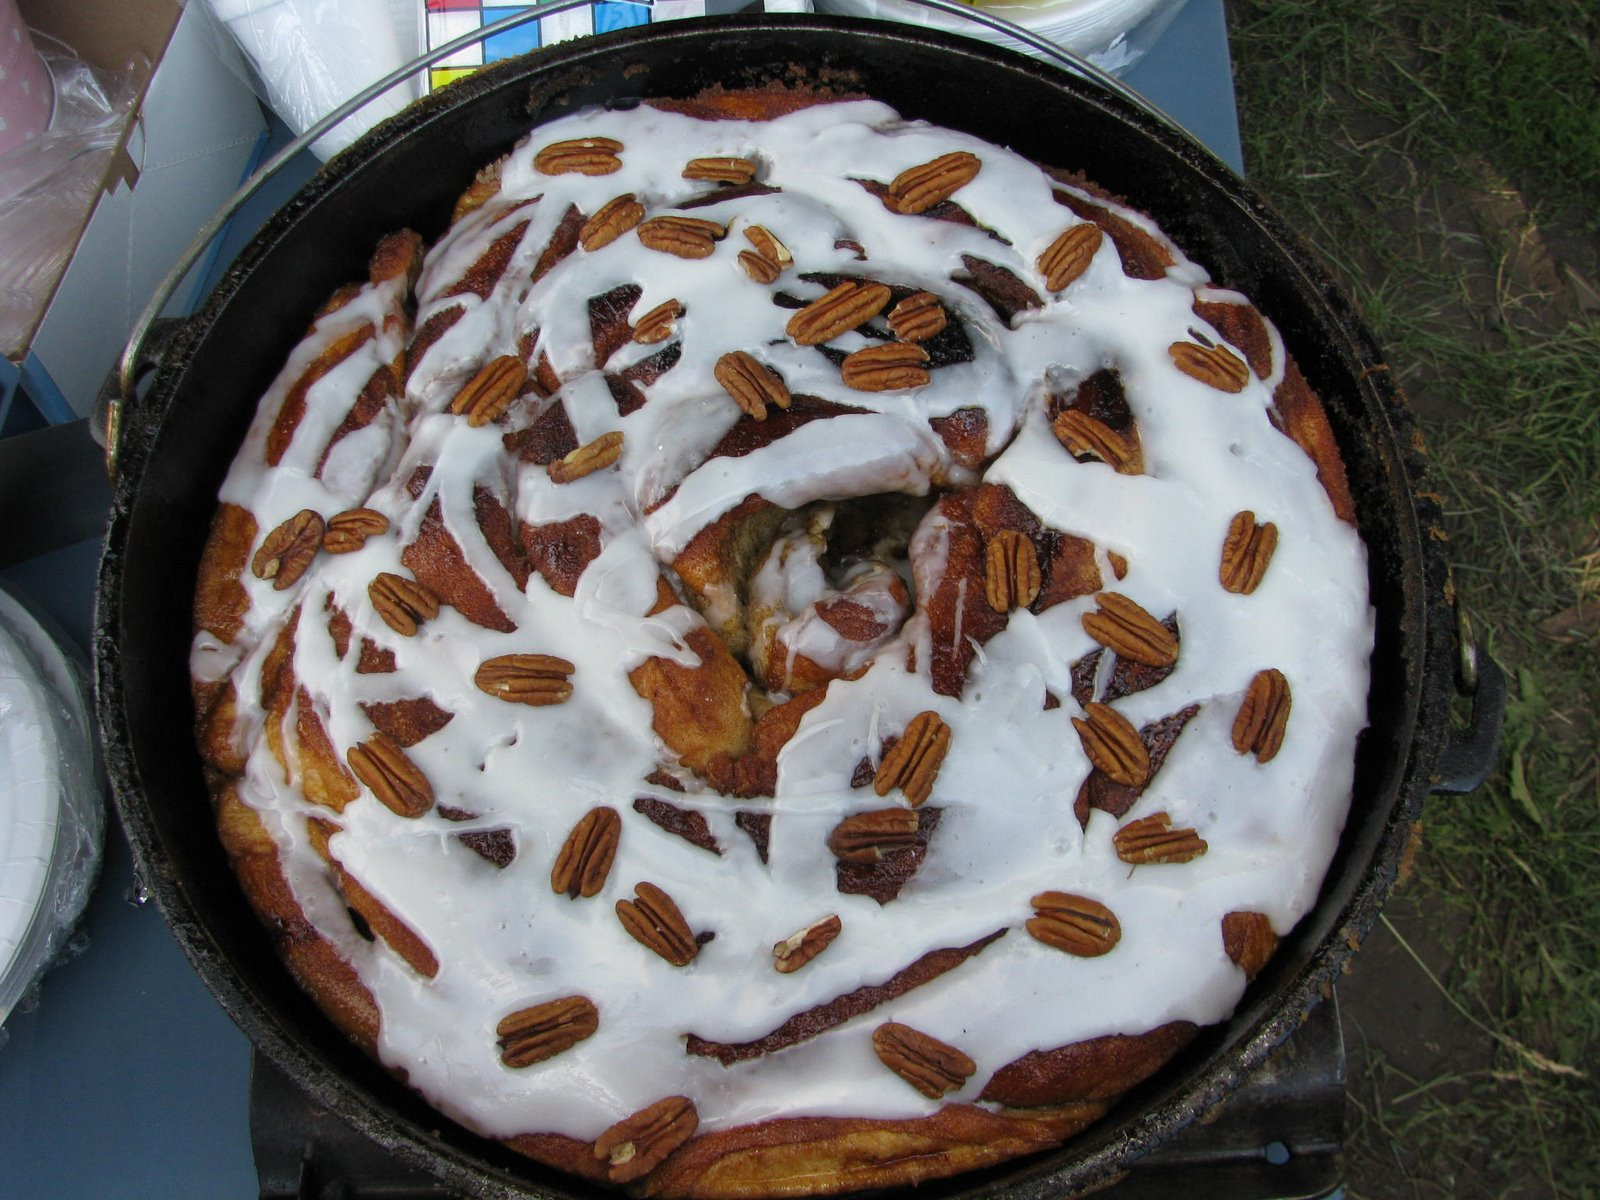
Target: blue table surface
<point>128,1079</point>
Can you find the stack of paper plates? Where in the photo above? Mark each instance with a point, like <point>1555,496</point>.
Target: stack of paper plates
<point>52,819</point>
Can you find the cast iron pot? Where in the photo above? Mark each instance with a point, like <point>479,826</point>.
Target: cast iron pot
<point>175,446</point>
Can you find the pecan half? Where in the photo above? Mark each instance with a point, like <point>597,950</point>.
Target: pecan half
<point>918,317</point>
<point>871,837</point>
<point>758,267</point>
<point>839,310</point>
<point>587,458</point>
<point>1263,715</point>
<point>1011,575</point>
<point>653,920</point>
<point>886,367</point>
<point>912,763</point>
<point>1152,839</point>
<point>796,950</point>
<point>685,237</point>
<point>1113,744</point>
<point>1215,366</point>
<point>348,531</point>
<point>543,1031</point>
<point>287,551</point>
<point>927,1064</point>
<point>1075,924</point>
<point>490,392</point>
<point>919,188</point>
<point>580,156</point>
<point>751,383</point>
<point>586,856</point>
<point>656,325</point>
<point>720,170</point>
<point>768,246</point>
<point>536,679</point>
<point>393,778</point>
<point>637,1145</point>
<point>1129,631</point>
<point>1246,551</point>
<point>1068,257</point>
<point>403,603</point>
<point>610,221</point>
<point>1084,437</point>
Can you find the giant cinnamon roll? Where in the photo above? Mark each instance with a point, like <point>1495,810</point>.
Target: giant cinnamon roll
<point>789,651</point>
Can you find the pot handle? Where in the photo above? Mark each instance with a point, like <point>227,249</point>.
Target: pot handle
<point>119,392</point>
<point>106,417</point>
<point>1469,754</point>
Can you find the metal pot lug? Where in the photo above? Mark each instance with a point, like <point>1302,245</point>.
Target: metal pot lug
<point>1470,754</point>
<point>106,419</point>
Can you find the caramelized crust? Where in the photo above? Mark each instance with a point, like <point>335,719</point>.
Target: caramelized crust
<point>828,1155</point>
<point>755,771</point>
<point>440,565</point>
<point>220,601</point>
<point>322,776</point>
<point>700,711</point>
<point>717,103</point>
<point>217,706</point>
<point>1304,419</point>
<point>330,980</point>
<point>1097,1070</point>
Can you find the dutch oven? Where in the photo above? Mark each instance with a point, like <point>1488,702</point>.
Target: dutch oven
<point>175,445</point>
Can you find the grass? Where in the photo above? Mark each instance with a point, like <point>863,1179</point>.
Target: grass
<point>1444,156</point>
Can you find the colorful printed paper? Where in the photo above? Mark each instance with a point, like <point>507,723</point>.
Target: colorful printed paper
<point>450,19</point>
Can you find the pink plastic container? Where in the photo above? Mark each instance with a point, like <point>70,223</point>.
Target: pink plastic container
<point>26,93</point>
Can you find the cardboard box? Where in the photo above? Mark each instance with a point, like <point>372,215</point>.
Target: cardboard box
<point>196,131</point>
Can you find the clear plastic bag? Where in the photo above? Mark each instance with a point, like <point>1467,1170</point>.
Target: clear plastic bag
<point>1112,34</point>
<point>49,185</point>
<point>310,56</point>
<point>52,809</point>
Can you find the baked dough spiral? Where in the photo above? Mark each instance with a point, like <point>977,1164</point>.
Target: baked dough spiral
<point>791,650</point>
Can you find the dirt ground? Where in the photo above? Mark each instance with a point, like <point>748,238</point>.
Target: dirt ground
<point>1403,1033</point>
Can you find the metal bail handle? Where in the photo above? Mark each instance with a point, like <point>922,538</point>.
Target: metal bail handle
<point>135,362</point>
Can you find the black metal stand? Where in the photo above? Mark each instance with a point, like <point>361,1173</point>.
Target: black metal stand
<point>303,1152</point>
<point>1280,1136</point>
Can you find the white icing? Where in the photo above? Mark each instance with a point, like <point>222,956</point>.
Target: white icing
<point>504,941</point>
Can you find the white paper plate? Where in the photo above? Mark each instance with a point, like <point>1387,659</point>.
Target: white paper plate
<point>51,823</point>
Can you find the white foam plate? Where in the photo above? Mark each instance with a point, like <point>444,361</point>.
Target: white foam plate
<point>42,719</point>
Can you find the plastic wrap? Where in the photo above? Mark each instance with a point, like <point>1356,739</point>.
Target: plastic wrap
<point>49,185</point>
<point>1112,34</point>
<point>52,810</point>
<point>310,56</point>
